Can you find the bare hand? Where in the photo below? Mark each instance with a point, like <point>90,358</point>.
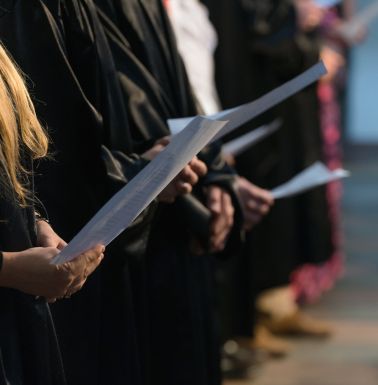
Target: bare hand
<point>220,205</point>
<point>31,271</point>
<point>334,61</point>
<point>230,159</point>
<point>47,237</point>
<point>158,147</point>
<point>184,182</point>
<point>256,202</point>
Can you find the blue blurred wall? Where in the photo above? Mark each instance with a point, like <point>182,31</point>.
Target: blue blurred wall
<point>362,109</point>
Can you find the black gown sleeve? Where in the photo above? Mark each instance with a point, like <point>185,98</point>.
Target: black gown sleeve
<point>155,87</point>
<point>273,32</point>
<point>29,353</point>
<point>63,67</point>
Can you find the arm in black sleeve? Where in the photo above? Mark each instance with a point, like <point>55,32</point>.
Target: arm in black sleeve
<point>74,182</point>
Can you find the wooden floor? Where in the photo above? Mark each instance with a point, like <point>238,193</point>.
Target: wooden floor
<point>351,356</point>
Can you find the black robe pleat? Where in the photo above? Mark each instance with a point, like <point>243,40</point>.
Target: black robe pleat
<point>259,49</point>
<point>182,347</point>
<point>29,353</point>
<point>61,47</point>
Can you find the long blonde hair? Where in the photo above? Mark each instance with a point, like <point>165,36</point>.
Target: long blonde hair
<point>19,127</point>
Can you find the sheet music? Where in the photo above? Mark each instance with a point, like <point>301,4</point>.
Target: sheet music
<point>240,115</point>
<point>313,176</point>
<point>352,28</point>
<point>129,202</point>
<point>238,145</point>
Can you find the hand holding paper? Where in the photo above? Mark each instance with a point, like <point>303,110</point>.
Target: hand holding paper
<point>185,180</point>
<point>255,202</point>
<point>313,176</point>
<point>129,202</point>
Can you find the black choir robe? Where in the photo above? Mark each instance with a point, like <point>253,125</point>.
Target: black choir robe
<point>29,353</point>
<point>182,347</point>
<point>62,48</point>
<point>259,49</point>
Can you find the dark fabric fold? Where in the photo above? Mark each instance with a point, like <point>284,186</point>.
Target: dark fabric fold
<point>181,326</point>
<point>62,48</point>
<point>269,51</point>
<point>29,352</point>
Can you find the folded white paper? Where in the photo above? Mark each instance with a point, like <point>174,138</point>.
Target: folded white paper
<point>240,115</point>
<point>352,28</point>
<point>313,176</point>
<point>129,202</point>
<point>239,145</point>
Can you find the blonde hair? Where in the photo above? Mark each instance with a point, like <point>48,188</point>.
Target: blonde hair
<point>20,129</point>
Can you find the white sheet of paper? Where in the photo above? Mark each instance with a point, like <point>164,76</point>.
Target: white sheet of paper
<point>177,125</point>
<point>238,145</point>
<point>240,115</point>
<point>351,29</point>
<point>129,202</point>
<point>313,176</point>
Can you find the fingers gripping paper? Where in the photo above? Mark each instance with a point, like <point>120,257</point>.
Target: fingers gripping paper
<point>129,202</point>
<point>240,115</point>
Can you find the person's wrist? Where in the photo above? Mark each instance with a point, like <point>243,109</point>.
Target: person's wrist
<point>7,270</point>
<point>42,225</point>
<point>40,218</point>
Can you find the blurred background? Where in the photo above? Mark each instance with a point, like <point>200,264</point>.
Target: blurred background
<point>350,355</point>
<point>362,112</point>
